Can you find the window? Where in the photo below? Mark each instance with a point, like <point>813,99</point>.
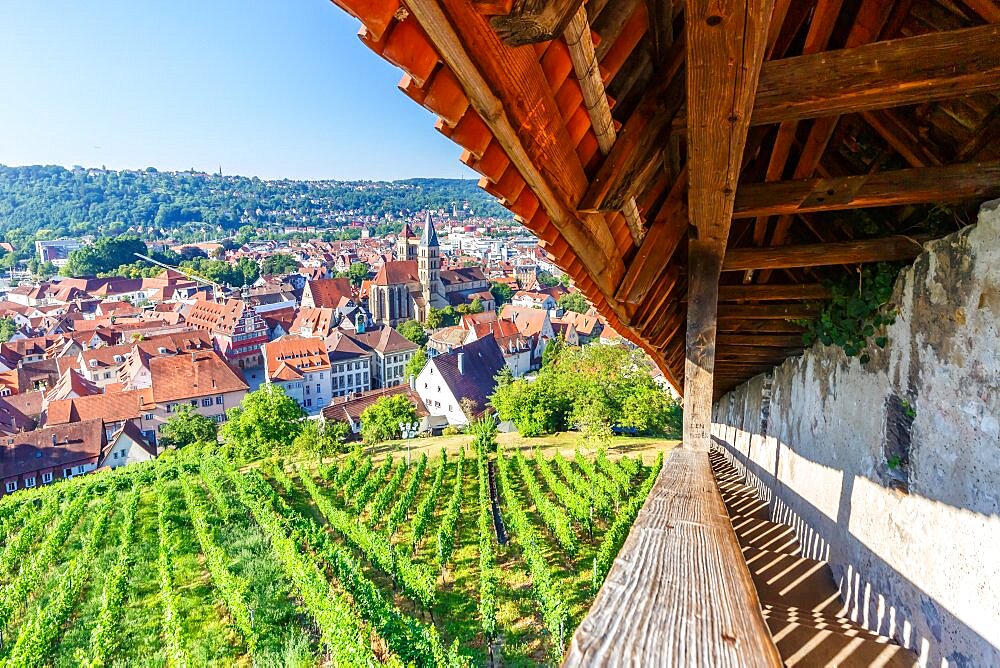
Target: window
<point>450,408</point>
<point>147,416</point>
<point>194,402</point>
<point>114,455</point>
<point>307,389</point>
<point>171,407</point>
<point>46,478</point>
<point>206,402</point>
<point>221,417</point>
<point>79,469</point>
<point>321,375</point>
<point>218,400</point>
<point>29,482</point>
<point>309,402</point>
<point>12,486</point>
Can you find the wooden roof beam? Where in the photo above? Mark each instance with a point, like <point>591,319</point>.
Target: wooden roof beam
<point>880,75</point>
<point>797,291</point>
<point>888,249</point>
<point>532,21</point>
<point>949,183</point>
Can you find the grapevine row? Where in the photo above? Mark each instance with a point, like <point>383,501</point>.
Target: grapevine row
<point>487,558</point>
<point>426,508</point>
<point>615,536</point>
<point>552,515</point>
<point>548,591</point>
<point>577,506</point>
<point>168,538</point>
<point>371,485</point>
<point>613,471</point>
<point>343,636</point>
<point>15,551</point>
<point>447,530</point>
<point>415,580</point>
<point>582,486</point>
<point>599,481</point>
<point>401,509</point>
<point>216,560</point>
<point>107,632</point>
<point>210,476</point>
<point>388,492</point>
<point>413,641</point>
<point>16,592</point>
<point>37,636</point>
<point>357,479</point>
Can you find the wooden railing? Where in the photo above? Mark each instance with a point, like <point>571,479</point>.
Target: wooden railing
<point>679,593</point>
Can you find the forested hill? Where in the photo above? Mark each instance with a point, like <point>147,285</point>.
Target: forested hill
<point>97,201</point>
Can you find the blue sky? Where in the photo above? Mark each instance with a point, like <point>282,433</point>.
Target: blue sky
<point>276,88</point>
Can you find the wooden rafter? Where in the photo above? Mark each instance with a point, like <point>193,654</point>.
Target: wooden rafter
<point>804,291</point>
<point>888,249</point>
<point>951,183</point>
<point>581,52</point>
<point>881,75</point>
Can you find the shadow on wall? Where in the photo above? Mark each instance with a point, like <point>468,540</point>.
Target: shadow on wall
<point>871,603</point>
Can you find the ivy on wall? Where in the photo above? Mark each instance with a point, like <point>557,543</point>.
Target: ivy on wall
<point>858,312</point>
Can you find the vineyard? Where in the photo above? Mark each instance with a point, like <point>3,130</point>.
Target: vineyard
<point>189,560</point>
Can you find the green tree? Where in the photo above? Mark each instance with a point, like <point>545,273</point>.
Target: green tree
<point>416,364</point>
<point>187,426</point>
<point>442,317</point>
<point>502,293</point>
<point>475,307</point>
<point>321,439</point>
<point>265,420</point>
<point>411,330</point>
<point>105,255</point>
<point>574,301</point>
<point>358,273</point>
<point>278,264</point>
<point>7,329</point>
<point>545,279</point>
<point>552,349</point>
<point>380,421</point>
<point>594,388</point>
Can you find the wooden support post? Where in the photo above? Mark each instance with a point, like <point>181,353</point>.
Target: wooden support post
<point>726,40</point>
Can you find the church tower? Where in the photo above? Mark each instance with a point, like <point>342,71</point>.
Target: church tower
<point>405,246</point>
<point>429,267</point>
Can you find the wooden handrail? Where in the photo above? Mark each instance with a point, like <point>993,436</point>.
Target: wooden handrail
<point>679,593</point>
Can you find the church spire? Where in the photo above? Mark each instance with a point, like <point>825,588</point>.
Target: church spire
<point>430,237</point>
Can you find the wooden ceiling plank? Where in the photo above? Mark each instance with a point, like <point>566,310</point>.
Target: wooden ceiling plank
<point>887,249</point>
<point>948,183</point>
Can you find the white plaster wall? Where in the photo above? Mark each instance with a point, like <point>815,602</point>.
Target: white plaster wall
<point>922,566</point>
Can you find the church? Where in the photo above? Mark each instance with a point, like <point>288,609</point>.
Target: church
<point>408,287</point>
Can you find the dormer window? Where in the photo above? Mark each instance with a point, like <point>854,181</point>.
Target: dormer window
<point>93,364</point>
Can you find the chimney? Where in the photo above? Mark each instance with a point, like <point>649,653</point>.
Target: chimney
<point>413,382</point>
<point>194,357</point>
<point>461,363</point>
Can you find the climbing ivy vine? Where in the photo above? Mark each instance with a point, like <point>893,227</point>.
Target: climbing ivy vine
<point>858,312</point>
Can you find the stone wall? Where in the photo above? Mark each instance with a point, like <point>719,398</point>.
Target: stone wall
<point>891,470</point>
